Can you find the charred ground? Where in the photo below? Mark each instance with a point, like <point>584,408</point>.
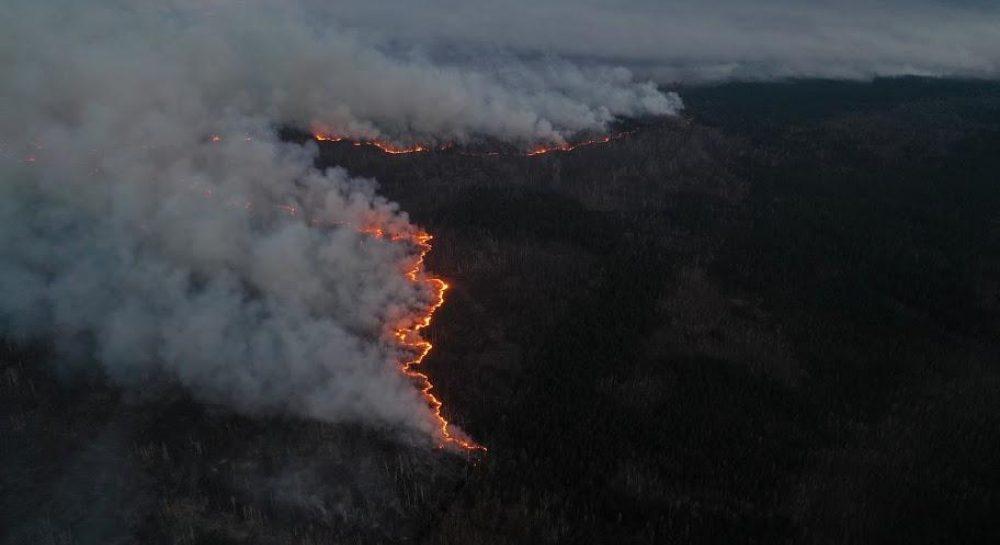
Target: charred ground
<point>770,320</point>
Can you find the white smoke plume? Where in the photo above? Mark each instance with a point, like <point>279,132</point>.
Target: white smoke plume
<point>289,65</point>
<point>152,221</point>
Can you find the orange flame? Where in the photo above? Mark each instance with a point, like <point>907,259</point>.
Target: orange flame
<point>543,149</point>
<point>394,149</point>
<point>384,145</point>
<point>391,148</point>
<point>321,136</point>
<point>408,335</point>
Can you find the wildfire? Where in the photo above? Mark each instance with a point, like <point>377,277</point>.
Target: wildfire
<point>408,335</point>
<point>384,145</point>
<point>543,149</point>
<point>395,149</point>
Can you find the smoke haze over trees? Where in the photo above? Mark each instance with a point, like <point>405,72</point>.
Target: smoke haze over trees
<point>154,222</point>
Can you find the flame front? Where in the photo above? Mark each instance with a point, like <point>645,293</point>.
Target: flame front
<point>543,149</point>
<point>409,339</point>
<point>408,335</point>
<point>387,147</point>
<point>323,135</point>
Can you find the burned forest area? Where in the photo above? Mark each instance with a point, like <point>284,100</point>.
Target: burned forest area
<point>769,319</point>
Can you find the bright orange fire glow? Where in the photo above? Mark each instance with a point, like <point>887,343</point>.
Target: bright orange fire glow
<point>384,145</point>
<point>394,149</point>
<point>408,335</point>
<point>543,149</point>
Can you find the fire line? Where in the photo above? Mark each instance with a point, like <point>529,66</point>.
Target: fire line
<point>408,334</point>
<point>384,146</point>
<point>394,149</point>
<point>409,337</point>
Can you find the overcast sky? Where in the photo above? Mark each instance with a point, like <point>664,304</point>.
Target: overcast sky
<point>705,39</point>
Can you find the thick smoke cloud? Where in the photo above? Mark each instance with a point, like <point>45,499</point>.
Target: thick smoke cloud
<point>704,40</point>
<point>153,222</point>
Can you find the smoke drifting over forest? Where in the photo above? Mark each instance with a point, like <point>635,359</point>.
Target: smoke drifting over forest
<point>154,223</point>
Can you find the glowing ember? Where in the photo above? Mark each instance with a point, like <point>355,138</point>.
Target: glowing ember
<point>288,209</point>
<point>408,335</point>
